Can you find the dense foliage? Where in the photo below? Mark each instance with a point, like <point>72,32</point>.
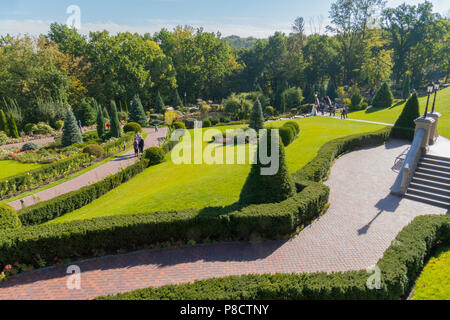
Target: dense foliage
<point>405,126</point>
<point>8,217</point>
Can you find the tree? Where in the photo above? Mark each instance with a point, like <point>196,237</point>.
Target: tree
<point>256,116</point>
<point>137,113</point>
<point>100,123</point>
<point>383,98</point>
<point>106,113</point>
<point>177,100</point>
<point>406,87</point>
<point>259,188</point>
<point>331,90</point>
<point>293,97</point>
<point>71,131</point>
<point>159,107</point>
<point>116,129</point>
<point>3,122</point>
<point>12,127</point>
<point>279,101</point>
<point>404,127</point>
<point>86,113</point>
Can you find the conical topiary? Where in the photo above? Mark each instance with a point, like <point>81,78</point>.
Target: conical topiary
<point>383,98</point>
<point>137,113</point>
<point>406,87</point>
<point>177,100</point>
<point>116,129</point>
<point>405,126</point>
<point>259,188</point>
<point>87,113</point>
<point>159,107</point>
<point>3,122</point>
<point>100,123</point>
<point>331,91</point>
<point>71,132</point>
<point>106,113</point>
<point>12,127</point>
<point>256,116</point>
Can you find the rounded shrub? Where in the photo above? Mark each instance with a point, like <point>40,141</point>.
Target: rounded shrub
<point>8,217</point>
<point>206,123</point>
<point>42,128</point>
<point>132,127</point>
<point>294,124</point>
<point>155,155</point>
<point>3,138</point>
<point>28,128</point>
<point>59,125</point>
<point>29,146</point>
<point>94,150</point>
<point>179,125</point>
<point>286,135</point>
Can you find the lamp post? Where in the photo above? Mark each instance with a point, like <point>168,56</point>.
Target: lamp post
<point>436,89</point>
<point>430,88</point>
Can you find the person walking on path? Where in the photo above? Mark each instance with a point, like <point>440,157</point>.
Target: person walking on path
<point>156,127</point>
<point>80,126</point>
<point>141,144</point>
<point>136,147</point>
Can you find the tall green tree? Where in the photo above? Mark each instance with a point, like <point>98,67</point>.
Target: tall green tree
<point>71,131</point>
<point>12,127</point>
<point>86,113</point>
<point>260,188</point>
<point>256,116</point>
<point>177,100</point>
<point>331,90</point>
<point>100,122</point>
<point>137,113</point>
<point>159,106</point>
<point>383,97</point>
<point>406,86</point>
<point>116,129</point>
<point>3,122</point>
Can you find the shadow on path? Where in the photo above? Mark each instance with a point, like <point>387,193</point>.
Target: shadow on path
<point>389,204</point>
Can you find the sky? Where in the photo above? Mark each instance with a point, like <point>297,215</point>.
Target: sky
<point>257,18</point>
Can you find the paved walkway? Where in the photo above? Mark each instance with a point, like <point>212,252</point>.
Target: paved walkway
<point>39,142</point>
<point>360,224</point>
<point>357,120</point>
<point>93,175</point>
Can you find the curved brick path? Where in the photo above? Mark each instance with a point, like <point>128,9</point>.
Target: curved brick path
<point>93,175</point>
<point>360,224</point>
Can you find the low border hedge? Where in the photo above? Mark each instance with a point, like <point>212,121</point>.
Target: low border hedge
<point>400,266</point>
<point>28,180</point>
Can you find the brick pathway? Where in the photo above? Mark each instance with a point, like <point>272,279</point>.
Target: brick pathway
<point>39,142</point>
<point>93,175</point>
<point>360,224</point>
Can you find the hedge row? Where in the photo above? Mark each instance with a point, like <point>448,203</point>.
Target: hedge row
<point>45,174</point>
<point>318,168</point>
<point>48,210</point>
<point>78,238</point>
<point>116,145</point>
<point>400,266</point>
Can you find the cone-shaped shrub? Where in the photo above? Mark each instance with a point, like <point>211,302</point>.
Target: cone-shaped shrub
<point>8,217</point>
<point>3,122</point>
<point>100,123</point>
<point>106,113</point>
<point>159,107</point>
<point>177,100</point>
<point>256,116</point>
<point>259,188</point>
<point>71,132</point>
<point>116,129</point>
<point>12,127</point>
<point>331,90</point>
<point>137,113</point>
<point>404,127</point>
<point>383,98</point>
<point>87,113</point>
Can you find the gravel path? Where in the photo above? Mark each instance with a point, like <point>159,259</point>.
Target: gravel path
<point>359,226</point>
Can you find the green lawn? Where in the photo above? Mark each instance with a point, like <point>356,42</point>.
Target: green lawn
<point>434,281</point>
<point>10,168</point>
<point>390,115</point>
<point>168,186</point>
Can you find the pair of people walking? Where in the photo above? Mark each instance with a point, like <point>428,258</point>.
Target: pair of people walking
<point>138,145</point>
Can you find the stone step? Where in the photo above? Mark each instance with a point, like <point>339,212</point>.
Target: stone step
<point>433,167</point>
<point>427,200</point>
<point>433,157</point>
<point>428,195</point>
<point>435,162</point>
<point>431,183</point>
<point>442,174</point>
<point>435,190</point>
<point>431,177</point>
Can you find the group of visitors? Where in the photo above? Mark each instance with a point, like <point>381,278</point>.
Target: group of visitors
<point>138,145</point>
<point>326,106</point>
<point>344,112</point>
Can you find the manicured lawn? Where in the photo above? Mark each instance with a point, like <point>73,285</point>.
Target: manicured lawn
<point>168,186</point>
<point>434,281</point>
<point>10,168</point>
<point>390,115</point>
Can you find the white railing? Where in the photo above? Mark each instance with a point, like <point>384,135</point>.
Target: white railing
<point>409,165</point>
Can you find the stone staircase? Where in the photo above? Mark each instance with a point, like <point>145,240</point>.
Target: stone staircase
<point>431,181</point>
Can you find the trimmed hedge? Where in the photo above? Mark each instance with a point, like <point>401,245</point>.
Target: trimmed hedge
<point>48,210</point>
<point>154,155</point>
<point>8,217</point>
<point>318,168</point>
<point>78,238</point>
<point>45,174</point>
<point>116,145</point>
<point>400,266</point>
<point>94,150</point>
<point>132,127</point>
